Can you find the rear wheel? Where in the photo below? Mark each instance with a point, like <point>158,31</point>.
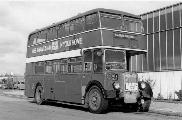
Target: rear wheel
<point>39,95</point>
<point>96,101</point>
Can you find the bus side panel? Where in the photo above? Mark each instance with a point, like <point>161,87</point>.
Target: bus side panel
<point>142,42</point>
<point>29,90</point>
<point>29,80</point>
<point>48,87</point>
<point>111,38</point>
<point>107,37</point>
<point>86,78</point>
<point>68,87</point>
<point>73,87</point>
<point>59,87</point>
<point>91,39</point>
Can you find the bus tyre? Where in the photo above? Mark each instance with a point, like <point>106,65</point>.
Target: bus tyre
<point>38,95</point>
<point>145,106</point>
<point>96,101</point>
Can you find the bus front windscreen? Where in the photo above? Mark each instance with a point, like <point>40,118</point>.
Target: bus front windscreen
<point>115,59</point>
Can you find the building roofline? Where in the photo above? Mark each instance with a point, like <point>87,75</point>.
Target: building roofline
<point>180,3</point>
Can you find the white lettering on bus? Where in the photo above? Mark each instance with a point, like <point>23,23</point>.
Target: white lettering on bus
<point>42,49</point>
<point>38,40</point>
<point>34,41</point>
<point>54,45</point>
<point>46,48</point>
<point>123,36</point>
<point>71,42</point>
<point>34,50</point>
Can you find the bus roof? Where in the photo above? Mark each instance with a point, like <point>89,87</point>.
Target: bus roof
<point>87,13</point>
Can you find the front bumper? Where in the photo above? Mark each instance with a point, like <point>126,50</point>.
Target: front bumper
<point>127,96</point>
<point>130,97</point>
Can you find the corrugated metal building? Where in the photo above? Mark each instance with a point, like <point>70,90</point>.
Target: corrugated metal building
<point>163,32</point>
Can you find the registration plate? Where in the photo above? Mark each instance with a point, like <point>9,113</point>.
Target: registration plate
<point>131,86</point>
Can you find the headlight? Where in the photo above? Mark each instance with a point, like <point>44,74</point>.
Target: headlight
<point>143,85</point>
<point>116,85</point>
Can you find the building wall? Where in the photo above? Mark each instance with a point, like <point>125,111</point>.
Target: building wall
<point>163,32</point>
<point>165,83</point>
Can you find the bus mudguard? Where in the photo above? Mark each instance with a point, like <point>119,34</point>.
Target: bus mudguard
<point>96,83</point>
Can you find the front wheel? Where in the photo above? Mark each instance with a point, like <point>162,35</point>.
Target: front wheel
<point>96,101</point>
<point>144,105</point>
<point>39,95</point>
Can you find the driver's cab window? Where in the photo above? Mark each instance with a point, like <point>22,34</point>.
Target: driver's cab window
<point>87,60</point>
<point>98,61</point>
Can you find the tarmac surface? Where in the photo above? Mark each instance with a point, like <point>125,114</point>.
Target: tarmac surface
<point>158,107</point>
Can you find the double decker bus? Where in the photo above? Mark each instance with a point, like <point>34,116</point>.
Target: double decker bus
<point>86,60</point>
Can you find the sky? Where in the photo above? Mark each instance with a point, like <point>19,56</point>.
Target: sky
<point>19,18</point>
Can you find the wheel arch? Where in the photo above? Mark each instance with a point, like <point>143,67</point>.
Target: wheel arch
<point>95,83</point>
<point>36,85</point>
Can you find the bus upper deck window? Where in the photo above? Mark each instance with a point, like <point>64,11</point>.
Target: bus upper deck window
<point>133,25</point>
<point>139,27</point>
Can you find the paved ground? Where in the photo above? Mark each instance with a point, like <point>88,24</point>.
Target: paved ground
<point>23,109</point>
<point>169,109</point>
<point>13,93</point>
<point>166,108</point>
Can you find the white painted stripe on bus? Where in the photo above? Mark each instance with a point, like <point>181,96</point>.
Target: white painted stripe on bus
<point>72,53</point>
<point>61,81</point>
<point>120,48</point>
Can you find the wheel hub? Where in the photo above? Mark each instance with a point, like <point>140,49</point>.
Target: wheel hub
<point>142,101</point>
<point>94,99</point>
